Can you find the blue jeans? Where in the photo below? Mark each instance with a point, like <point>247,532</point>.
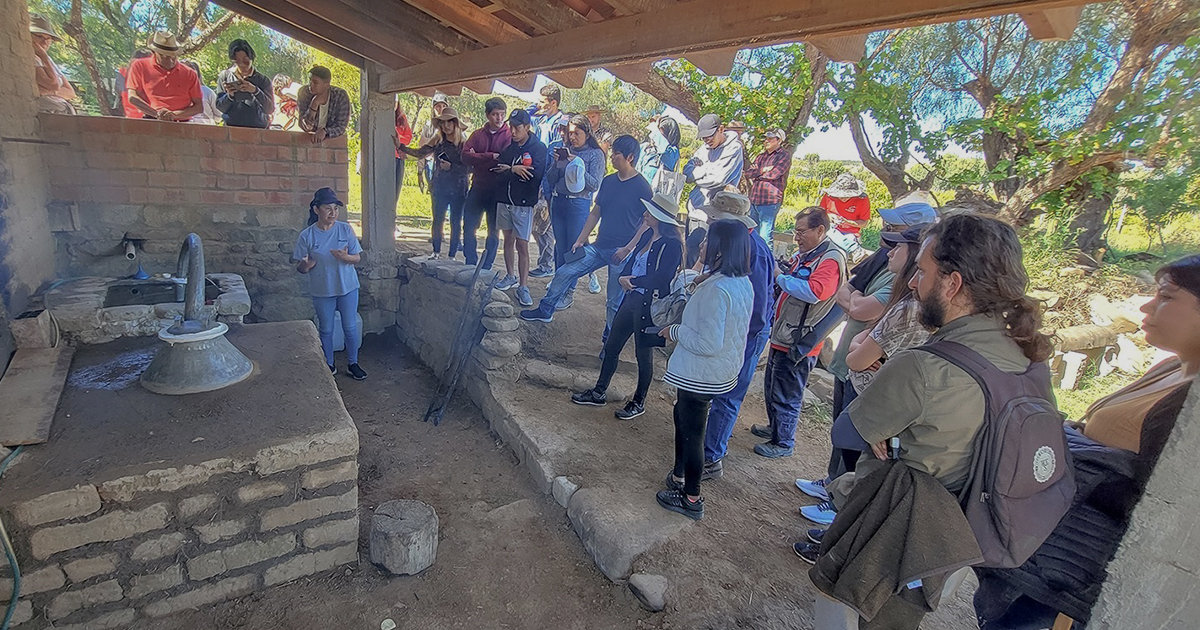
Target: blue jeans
<point>347,305</point>
<point>478,204</point>
<point>724,411</point>
<point>567,216</point>
<point>784,383</point>
<point>451,199</point>
<point>566,276</point>
<point>766,220</point>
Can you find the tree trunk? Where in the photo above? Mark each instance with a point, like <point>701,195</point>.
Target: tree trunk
<point>890,173</point>
<point>997,146</point>
<point>74,28</point>
<point>1091,222</point>
<point>669,91</point>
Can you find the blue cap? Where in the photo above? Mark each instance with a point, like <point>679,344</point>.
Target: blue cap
<point>519,117</point>
<point>324,196</point>
<point>909,214</point>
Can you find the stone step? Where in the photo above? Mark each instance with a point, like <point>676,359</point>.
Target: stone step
<point>30,390</point>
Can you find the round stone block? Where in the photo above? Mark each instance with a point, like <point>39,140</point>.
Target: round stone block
<point>496,324</point>
<point>404,536</point>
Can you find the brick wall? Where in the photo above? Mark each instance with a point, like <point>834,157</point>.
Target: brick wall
<point>244,191</point>
<point>26,248</point>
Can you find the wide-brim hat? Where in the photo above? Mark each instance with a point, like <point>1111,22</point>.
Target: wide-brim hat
<point>735,125</point>
<point>323,196</point>
<point>909,214</point>
<point>438,97</point>
<point>447,114</point>
<point>729,206</point>
<point>663,209</point>
<point>595,109</point>
<point>41,25</point>
<point>846,186</point>
<point>165,43</point>
<point>910,235</point>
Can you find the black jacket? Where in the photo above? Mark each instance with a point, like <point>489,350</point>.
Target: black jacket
<point>513,190</point>
<point>662,262</point>
<point>244,109</point>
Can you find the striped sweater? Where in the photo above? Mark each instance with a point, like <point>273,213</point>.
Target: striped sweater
<point>712,337</point>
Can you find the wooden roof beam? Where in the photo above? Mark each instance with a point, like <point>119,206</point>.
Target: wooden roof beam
<point>715,63</point>
<point>633,7</point>
<point>1053,25</point>
<point>518,82</point>
<point>420,34</point>
<point>572,79</point>
<point>294,31</point>
<point>844,48</point>
<point>696,26</point>
<point>364,22</point>
<point>470,20</point>
<point>548,16</point>
<point>304,19</point>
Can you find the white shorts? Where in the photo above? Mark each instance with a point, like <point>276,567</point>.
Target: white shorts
<point>519,219</point>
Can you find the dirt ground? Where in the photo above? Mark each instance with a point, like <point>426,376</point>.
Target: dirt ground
<point>507,557</point>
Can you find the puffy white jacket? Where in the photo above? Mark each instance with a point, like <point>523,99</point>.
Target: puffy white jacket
<point>712,337</point>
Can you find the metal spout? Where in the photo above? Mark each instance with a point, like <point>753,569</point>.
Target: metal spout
<point>191,267</point>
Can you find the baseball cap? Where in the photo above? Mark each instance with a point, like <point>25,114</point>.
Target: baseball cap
<point>910,235</point>
<point>519,117</point>
<point>909,214</point>
<point>575,175</point>
<point>708,125</point>
<point>440,98</point>
<point>775,133</point>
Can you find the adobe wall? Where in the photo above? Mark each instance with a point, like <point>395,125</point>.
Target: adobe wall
<point>244,191</point>
<point>26,248</point>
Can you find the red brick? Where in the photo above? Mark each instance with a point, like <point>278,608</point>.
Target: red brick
<point>105,194</point>
<point>181,163</point>
<point>64,193</point>
<point>318,154</point>
<point>255,153</point>
<point>114,178</point>
<point>245,135</point>
<point>160,145</point>
<point>265,182</point>
<point>208,181</point>
<point>341,155</point>
<point>147,195</point>
<point>335,170</point>
<point>250,167</point>
<point>148,161</point>
<point>280,168</point>
<point>251,198</point>
<point>59,125</point>
<point>101,160</point>
<point>231,182</point>
<point>307,169</point>
<point>62,158</point>
<point>144,127</point>
<point>208,132</point>
<point>168,179</point>
<point>287,154</point>
<point>101,124</point>
<point>217,165</point>
<point>282,198</point>
<point>217,197</point>
<point>336,143</point>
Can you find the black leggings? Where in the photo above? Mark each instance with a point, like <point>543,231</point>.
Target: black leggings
<point>626,323</point>
<point>691,416</point>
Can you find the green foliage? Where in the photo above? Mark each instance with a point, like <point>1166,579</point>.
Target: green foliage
<point>628,108</point>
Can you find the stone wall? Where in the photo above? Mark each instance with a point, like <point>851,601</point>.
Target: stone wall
<point>26,248</point>
<point>244,191</point>
<point>100,555</point>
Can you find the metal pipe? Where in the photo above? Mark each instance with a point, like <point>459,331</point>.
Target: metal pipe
<point>190,266</point>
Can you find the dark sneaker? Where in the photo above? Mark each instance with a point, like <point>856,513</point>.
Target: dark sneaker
<point>632,410</point>
<point>815,535</point>
<point>537,315</point>
<point>772,451</point>
<point>763,432</point>
<point>808,552</point>
<point>590,397</point>
<point>565,302</point>
<point>507,283</point>
<point>356,372</point>
<point>676,501</point>
<point>712,470</point>
<point>332,369</point>
<point>541,273</point>
<point>672,483</point>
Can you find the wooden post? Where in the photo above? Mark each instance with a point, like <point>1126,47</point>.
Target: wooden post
<point>378,168</point>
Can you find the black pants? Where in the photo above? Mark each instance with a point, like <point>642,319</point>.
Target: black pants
<point>842,460</point>
<point>691,416</point>
<point>628,322</point>
<point>478,205</point>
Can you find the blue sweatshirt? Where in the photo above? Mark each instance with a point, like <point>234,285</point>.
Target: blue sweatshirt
<point>762,263</point>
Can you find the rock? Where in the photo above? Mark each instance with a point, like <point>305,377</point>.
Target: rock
<point>1124,316</point>
<point>464,277</point>
<point>617,528</point>
<point>1072,272</point>
<point>650,589</point>
<point>445,274</point>
<point>495,324</point>
<point>1130,358</point>
<point>501,344</point>
<point>499,310</point>
<point>549,375</point>
<point>499,296</point>
<point>563,490</point>
<point>404,536</point>
<point>1048,298</point>
<point>820,383</point>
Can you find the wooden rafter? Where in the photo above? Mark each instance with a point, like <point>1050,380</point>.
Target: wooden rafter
<point>312,38</point>
<point>470,20</point>
<point>548,16</point>
<point>633,7</point>
<point>304,19</point>
<point>1052,24</point>
<point>414,27</point>
<point>715,63</point>
<point>572,79</point>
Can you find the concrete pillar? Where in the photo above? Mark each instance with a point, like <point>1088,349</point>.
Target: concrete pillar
<point>378,163</point>
<point>1154,582</point>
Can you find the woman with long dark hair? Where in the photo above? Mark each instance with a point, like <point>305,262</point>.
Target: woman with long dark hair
<point>571,200</point>
<point>448,187</point>
<point>661,148</point>
<point>707,358</point>
<point>647,275</point>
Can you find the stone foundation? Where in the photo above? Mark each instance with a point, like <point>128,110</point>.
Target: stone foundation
<point>144,505</point>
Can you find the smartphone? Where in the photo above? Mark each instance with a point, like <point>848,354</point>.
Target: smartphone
<point>653,330</point>
<point>442,156</point>
<point>562,153</point>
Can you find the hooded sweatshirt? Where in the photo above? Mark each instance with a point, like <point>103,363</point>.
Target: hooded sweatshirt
<point>714,169</point>
<point>480,153</point>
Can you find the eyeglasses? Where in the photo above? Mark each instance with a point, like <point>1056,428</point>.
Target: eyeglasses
<point>802,231</point>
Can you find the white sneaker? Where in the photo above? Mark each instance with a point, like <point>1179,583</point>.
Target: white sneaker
<point>814,488</point>
<point>435,256</point>
<point>593,283</point>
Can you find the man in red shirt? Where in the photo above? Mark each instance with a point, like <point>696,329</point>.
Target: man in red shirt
<point>809,287</point>
<point>847,204</point>
<point>403,137</point>
<point>161,87</point>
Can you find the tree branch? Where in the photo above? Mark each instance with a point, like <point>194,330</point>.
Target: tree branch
<point>74,28</point>
<point>214,31</point>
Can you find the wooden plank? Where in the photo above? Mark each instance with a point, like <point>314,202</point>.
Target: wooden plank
<point>844,48</point>
<point>1052,25</point>
<point>470,20</point>
<point>414,27</point>
<point>715,63</point>
<point>297,33</point>
<point>631,72</point>
<point>548,16</point>
<point>369,27</point>
<point>30,390</point>
<point>519,82</point>
<point>306,20</point>
<point>632,7</point>
<point>695,26</point>
<point>572,79</point>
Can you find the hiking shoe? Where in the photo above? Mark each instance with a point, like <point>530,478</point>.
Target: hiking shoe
<point>808,552</point>
<point>332,369</point>
<point>593,283</point>
<point>523,297</point>
<point>763,432</point>
<point>815,535</point>
<point>356,372</point>
<point>541,273</point>
<point>814,488</point>
<point>712,470</point>
<point>537,315</point>
<point>676,501</point>
<point>672,483</point>
<point>507,283</point>
<point>770,450</point>
<point>821,514</point>
<point>590,397</point>
<point>435,256</point>
<point>565,302</point>
<point>632,410</point>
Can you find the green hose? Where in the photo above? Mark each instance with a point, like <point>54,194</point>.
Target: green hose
<point>8,553</point>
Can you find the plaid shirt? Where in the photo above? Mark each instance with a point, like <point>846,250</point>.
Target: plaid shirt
<point>769,175</point>
<point>336,120</point>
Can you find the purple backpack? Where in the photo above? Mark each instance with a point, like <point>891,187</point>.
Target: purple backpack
<point>1021,482</point>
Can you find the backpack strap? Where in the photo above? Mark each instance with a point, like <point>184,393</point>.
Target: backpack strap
<point>966,359</point>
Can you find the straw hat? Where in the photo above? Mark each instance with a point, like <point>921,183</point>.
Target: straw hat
<point>164,43</point>
<point>594,109</point>
<point>41,25</point>
<point>447,114</point>
<point>730,206</point>
<point>846,187</point>
<point>663,208</point>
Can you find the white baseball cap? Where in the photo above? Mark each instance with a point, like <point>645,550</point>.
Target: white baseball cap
<point>575,175</point>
